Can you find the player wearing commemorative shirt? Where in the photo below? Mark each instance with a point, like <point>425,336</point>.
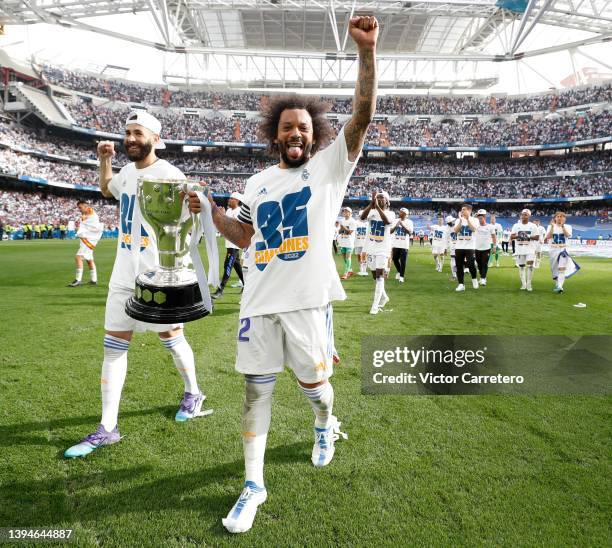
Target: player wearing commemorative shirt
<point>538,243</point>
<point>287,218</point>
<point>494,257</point>
<point>485,239</point>
<point>401,231</point>
<point>438,242</point>
<point>562,266</point>
<point>346,240</point>
<point>141,137</point>
<point>451,240</point>
<point>465,227</point>
<point>525,234</point>
<point>232,254</point>
<point>361,232</point>
<point>378,246</point>
<point>89,233</point>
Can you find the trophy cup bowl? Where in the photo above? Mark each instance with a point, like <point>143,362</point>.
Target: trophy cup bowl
<point>170,292</point>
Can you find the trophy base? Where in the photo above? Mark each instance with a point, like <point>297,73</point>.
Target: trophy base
<point>166,304</point>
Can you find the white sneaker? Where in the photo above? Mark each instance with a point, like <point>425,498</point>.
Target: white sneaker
<point>400,280</point>
<point>523,287</point>
<point>474,283</point>
<point>397,276</point>
<point>374,309</point>
<point>384,299</point>
<point>483,281</point>
<point>529,288</point>
<point>460,287</point>
<point>324,445</point>
<point>242,514</point>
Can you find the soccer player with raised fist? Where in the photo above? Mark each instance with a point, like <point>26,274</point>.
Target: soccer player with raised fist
<point>287,220</point>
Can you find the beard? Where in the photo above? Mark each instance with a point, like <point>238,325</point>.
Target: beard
<point>139,152</point>
<point>294,162</point>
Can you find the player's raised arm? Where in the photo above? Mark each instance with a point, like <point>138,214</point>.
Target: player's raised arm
<point>364,31</point>
<point>106,151</point>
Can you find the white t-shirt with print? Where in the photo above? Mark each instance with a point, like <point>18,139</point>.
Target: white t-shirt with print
<point>293,212</point>
<point>123,187</point>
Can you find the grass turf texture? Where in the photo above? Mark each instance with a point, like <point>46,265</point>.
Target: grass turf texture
<point>415,470</point>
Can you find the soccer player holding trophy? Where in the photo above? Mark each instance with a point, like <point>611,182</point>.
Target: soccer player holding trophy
<point>150,289</point>
<point>287,220</point>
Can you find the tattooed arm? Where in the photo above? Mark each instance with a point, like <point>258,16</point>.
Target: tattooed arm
<point>364,31</point>
<point>235,231</point>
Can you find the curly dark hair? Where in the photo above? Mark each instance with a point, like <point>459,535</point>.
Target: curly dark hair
<point>321,128</point>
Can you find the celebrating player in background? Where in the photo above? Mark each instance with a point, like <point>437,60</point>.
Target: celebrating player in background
<point>451,240</point>
<point>378,246</point>
<point>525,234</point>
<point>232,255</point>
<point>346,239</point>
<point>89,232</point>
<point>562,265</point>
<point>361,232</point>
<point>438,242</point>
<point>499,231</point>
<point>287,217</point>
<point>538,243</point>
<point>141,139</point>
<point>484,241</point>
<point>465,227</point>
<point>506,240</point>
<point>401,231</point>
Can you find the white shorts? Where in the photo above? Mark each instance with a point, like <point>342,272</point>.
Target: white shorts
<point>522,258</point>
<point>438,250</point>
<point>538,247</point>
<point>377,262</point>
<point>303,340</point>
<point>115,318</point>
<point>358,249</point>
<point>85,251</point>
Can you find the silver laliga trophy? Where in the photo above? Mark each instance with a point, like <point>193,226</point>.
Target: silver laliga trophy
<point>169,293</point>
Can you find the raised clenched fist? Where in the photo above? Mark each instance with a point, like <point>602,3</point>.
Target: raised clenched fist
<point>106,149</point>
<point>364,31</point>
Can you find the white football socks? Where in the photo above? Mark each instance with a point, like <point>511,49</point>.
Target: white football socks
<point>362,268</point>
<point>93,274</point>
<point>322,401</point>
<point>522,275</point>
<point>79,274</point>
<point>560,279</point>
<point>379,289</point>
<point>529,276</point>
<point>256,415</point>
<point>183,360</point>
<point>114,369</point>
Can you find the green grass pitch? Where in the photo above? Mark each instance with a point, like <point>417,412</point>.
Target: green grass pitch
<point>442,471</point>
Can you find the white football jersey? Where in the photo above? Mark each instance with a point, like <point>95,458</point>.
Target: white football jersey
<point>90,228</point>
<point>361,233</point>
<point>438,235</point>
<point>347,240</point>
<point>524,231</point>
<point>451,239</point>
<point>542,233</point>
<point>465,236</point>
<point>293,212</point>
<point>559,239</point>
<point>123,186</point>
<point>484,237</point>
<point>401,234</point>
<point>379,234</point>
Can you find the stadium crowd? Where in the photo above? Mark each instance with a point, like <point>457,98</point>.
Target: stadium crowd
<point>408,104</point>
<point>40,210</point>
<point>415,166</point>
<point>18,208</point>
<point>401,132</point>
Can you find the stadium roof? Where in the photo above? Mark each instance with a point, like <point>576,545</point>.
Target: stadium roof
<point>305,41</point>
